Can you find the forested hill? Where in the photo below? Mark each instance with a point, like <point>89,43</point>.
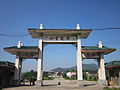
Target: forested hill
<point>85,67</point>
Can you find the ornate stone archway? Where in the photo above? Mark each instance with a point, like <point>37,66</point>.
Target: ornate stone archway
<point>60,36</point>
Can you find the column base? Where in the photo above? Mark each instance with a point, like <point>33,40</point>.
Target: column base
<point>103,82</point>
<point>39,83</point>
<point>80,83</point>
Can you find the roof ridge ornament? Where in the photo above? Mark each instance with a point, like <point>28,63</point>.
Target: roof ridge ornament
<point>20,44</point>
<point>100,44</point>
<point>41,26</point>
<point>78,26</point>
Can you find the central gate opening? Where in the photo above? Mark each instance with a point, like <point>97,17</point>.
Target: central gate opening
<point>90,69</point>
<point>61,55</point>
<point>58,58</point>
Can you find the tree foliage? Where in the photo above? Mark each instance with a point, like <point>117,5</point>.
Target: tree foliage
<point>29,75</point>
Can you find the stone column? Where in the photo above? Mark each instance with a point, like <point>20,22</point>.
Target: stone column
<point>40,64</point>
<point>119,77</point>
<point>18,67</point>
<point>79,62</point>
<point>101,71</point>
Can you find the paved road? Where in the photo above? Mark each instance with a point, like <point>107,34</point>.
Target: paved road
<point>65,85</point>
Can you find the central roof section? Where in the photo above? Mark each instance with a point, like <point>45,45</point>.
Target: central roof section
<point>38,33</point>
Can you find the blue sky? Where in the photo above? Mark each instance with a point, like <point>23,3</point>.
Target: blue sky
<point>16,16</point>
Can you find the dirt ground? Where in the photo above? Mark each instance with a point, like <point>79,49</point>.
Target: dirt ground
<point>64,85</point>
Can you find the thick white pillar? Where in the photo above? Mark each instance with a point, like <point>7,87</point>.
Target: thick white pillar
<point>99,75</point>
<point>40,64</point>
<point>18,65</point>
<point>101,70</point>
<point>79,62</point>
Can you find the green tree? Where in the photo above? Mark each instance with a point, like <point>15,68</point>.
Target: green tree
<point>29,75</point>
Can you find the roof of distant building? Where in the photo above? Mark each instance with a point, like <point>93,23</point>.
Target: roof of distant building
<point>6,64</point>
<point>113,64</point>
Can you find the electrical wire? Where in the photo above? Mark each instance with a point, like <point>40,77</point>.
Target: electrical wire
<point>14,35</point>
<point>118,28</point>
<point>25,34</point>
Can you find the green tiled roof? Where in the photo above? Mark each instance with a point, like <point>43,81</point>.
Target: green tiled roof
<point>6,63</point>
<point>95,47</point>
<point>83,47</point>
<point>55,29</point>
<point>113,63</point>
<point>23,47</point>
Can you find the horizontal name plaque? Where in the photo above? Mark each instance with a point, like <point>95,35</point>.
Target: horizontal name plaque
<point>59,38</point>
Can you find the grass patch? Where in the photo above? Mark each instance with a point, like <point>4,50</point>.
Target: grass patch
<point>48,78</point>
<point>70,78</point>
<point>113,88</point>
<point>91,80</point>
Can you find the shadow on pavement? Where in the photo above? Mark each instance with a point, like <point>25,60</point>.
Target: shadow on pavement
<point>50,85</point>
<point>89,84</point>
<point>10,86</point>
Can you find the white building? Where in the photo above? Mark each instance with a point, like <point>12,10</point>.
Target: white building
<point>70,74</point>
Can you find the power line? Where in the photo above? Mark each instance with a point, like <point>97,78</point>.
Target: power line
<point>14,35</point>
<point>25,34</point>
<point>116,28</point>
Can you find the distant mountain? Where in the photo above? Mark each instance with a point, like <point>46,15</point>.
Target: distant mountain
<point>85,67</point>
<point>90,66</point>
<point>58,69</point>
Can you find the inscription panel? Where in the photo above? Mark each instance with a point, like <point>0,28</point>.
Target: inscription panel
<point>59,38</point>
